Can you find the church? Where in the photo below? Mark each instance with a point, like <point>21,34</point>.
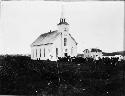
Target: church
<point>54,44</point>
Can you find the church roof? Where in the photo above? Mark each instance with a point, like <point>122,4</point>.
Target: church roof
<point>46,38</point>
<point>63,23</point>
<point>73,39</point>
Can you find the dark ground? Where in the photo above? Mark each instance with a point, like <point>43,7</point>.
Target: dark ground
<point>19,75</point>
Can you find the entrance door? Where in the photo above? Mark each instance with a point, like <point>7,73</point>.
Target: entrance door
<point>65,54</point>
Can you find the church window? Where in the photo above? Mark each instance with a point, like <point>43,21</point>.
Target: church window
<point>44,52</point>
<point>56,52</point>
<point>36,52</point>
<point>65,29</point>
<point>40,52</point>
<point>65,41</point>
<point>66,50</point>
<point>66,54</point>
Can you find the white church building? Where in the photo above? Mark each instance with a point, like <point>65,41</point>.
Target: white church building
<point>54,44</point>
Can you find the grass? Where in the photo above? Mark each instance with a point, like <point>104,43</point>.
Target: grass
<point>19,75</point>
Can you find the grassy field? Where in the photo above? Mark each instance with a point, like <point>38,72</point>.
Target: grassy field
<point>19,75</point>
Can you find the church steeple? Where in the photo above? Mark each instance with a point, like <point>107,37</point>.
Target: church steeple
<point>62,19</point>
<point>63,26</point>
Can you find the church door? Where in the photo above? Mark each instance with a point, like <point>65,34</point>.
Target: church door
<point>66,54</point>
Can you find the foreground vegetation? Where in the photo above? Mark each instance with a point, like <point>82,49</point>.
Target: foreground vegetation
<point>19,75</point>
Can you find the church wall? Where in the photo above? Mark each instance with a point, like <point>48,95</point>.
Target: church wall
<point>37,55</point>
<point>57,44</point>
<point>47,49</point>
<point>62,27</point>
<point>33,53</point>
<point>71,45</point>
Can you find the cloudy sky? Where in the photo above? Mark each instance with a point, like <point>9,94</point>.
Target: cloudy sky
<point>93,24</point>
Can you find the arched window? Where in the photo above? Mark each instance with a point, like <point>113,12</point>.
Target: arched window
<point>36,52</point>
<point>56,52</point>
<point>40,52</point>
<point>65,41</point>
<point>65,29</point>
<point>66,50</point>
<point>44,52</point>
<point>66,54</point>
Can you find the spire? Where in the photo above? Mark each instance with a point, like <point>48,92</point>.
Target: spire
<point>62,13</point>
<point>62,18</point>
<point>62,10</point>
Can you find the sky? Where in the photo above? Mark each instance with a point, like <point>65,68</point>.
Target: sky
<point>93,24</point>
<point>63,0</point>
